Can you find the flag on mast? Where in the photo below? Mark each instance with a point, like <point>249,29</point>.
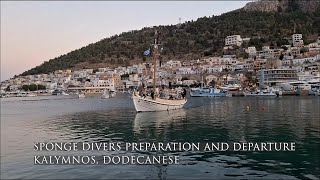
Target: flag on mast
<point>147,52</point>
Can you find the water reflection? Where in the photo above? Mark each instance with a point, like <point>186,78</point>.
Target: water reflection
<point>286,119</point>
<point>152,125</point>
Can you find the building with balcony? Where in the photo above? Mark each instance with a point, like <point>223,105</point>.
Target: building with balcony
<point>233,40</point>
<point>297,40</point>
<point>252,51</point>
<point>274,76</point>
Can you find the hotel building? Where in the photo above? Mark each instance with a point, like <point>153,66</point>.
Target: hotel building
<point>274,76</point>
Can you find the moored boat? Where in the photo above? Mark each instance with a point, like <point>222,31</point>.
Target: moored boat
<point>4,95</point>
<point>260,94</point>
<point>64,93</point>
<point>144,104</point>
<point>31,95</point>
<point>153,102</point>
<point>112,93</point>
<point>207,92</point>
<point>80,95</point>
<point>105,94</point>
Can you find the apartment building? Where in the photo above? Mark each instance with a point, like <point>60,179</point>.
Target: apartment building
<point>233,40</point>
<point>297,40</point>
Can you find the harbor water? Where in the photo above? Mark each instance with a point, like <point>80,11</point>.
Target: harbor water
<point>92,119</point>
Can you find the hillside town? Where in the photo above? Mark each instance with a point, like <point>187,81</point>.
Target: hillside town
<point>296,62</point>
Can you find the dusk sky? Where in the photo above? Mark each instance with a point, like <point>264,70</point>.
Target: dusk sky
<point>36,31</point>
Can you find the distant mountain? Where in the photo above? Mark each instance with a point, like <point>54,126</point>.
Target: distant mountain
<point>266,22</point>
<point>307,6</point>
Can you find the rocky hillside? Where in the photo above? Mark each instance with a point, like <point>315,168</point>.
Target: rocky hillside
<point>195,39</point>
<point>307,6</point>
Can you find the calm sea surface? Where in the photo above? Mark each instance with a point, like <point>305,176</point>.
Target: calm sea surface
<point>64,119</point>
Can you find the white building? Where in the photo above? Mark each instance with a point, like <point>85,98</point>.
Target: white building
<point>252,51</point>
<point>313,45</point>
<point>133,77</point>
<point>233,40</point>
<point>173,64</point>
<point>246,39</point>
<point>297,40</point>
<point>266,53</point>
<point>109,83</point>
<point>186,70</point>
<point>51,86</point>
<point>238,67</point>
<point>274,76</point>
<point>188,82</point>
<point>306,60</point>
<point>211,69</point>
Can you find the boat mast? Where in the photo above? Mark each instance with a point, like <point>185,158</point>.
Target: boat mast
<point>155,54</point>
<point>202,83</point>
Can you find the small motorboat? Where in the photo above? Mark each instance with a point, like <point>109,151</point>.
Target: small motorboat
<point>113,93</point>
<point>260,94</point>
<point>80,96</point>
<point>208,92</point>
<point>105,94</point>
<point>64,93</point>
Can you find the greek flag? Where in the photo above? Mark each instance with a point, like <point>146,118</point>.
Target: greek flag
<point>147,52</point>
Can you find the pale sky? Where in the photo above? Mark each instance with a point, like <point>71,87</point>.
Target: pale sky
<point>36,31</point>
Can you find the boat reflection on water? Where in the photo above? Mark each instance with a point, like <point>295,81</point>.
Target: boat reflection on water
<point>148,124</point>
<point>155,126</point>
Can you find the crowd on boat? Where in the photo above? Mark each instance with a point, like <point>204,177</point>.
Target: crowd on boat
<point>162,93</point>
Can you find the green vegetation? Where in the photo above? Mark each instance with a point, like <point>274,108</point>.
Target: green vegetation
<point>33,87</point>
<point>184,78</point>
<point>192,39</point>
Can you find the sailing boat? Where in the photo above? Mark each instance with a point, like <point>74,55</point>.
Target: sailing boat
<point>154,103</point>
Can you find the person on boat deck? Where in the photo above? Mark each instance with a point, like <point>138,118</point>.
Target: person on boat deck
<point>161,93</point>
<point>152,94</point>
<point>184,93</point>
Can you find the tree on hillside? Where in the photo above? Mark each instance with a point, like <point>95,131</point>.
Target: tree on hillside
<point>194,38</point>
<point>7,88</point>
<point>281,56</point>
<point>303,50</point>
<point>25,87</point>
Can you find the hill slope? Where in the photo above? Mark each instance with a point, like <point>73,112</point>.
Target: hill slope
<point>193,39</point>
<point>308,6</point>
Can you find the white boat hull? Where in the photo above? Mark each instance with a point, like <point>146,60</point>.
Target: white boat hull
<point>260,94</point>
<point>105,96</point>
<point>80,96</point>
<point>113,94</point>
<point>31,95</point>
<point>145,104</point>
<point>192,94</point>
